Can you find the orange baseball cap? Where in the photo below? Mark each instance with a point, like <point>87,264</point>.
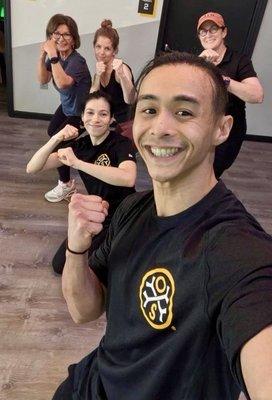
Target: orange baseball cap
<point>211,16</point>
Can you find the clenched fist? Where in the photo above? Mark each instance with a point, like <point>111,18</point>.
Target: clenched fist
<point>85,220</point>
<point>50,48</point>
<point>117,65</point>
<point>100,68</point>
<point>67,157</point>
<point>67,133</point>
<point>210,55</point>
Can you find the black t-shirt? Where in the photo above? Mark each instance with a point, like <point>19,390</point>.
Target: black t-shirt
<point>238,67</point>
<point>111,152</point>
<point>184,293</point>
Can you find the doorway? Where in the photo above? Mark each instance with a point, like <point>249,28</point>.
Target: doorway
<point>179,19</point>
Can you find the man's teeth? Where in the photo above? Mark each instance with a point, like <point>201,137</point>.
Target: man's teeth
<point>164,152</point>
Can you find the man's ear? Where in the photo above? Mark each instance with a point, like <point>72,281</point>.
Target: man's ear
<point>223,129</point>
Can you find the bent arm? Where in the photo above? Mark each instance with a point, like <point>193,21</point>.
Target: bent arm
<point>125,80</point>
<point>84,294</point>
<point>44,76</point>
<point>249,90</point>
<point>96,83</point>
<point>256,363</point>
<point>61,79</point>
<point>123,175</point>
<point>43,159</point>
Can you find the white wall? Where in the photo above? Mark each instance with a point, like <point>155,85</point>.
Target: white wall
<point>138,37</point>
<point>259,116</point>
<point>29,17</point>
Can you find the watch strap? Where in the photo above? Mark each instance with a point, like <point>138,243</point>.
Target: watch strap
<point>54,60</point>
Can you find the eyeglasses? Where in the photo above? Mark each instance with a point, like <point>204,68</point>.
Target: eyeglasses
<point>66,36</point>
<point>213,29</point>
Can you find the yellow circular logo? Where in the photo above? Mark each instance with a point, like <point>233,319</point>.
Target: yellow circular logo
<point>156,296</point>
<point>103,159</point>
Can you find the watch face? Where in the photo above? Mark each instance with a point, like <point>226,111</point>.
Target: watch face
<point>54,60</point>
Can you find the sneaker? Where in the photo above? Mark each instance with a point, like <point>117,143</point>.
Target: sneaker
<point>60,192</point>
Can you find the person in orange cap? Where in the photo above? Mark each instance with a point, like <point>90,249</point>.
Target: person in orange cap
<point>241,81</point>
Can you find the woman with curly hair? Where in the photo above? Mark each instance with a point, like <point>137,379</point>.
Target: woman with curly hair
<point>113,75</point>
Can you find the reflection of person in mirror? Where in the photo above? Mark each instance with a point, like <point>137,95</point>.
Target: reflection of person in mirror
<point>185,272</point>
<point>60,62</point>
<point>113,75</point>
<point>104,159</point>
<point>240,79</point>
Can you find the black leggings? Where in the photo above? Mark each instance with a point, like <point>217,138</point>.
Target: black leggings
<point>59,258</point>
<point>65,390</point>
<point>58,122</point>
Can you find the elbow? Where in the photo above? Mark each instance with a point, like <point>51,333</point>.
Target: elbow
<point>131,181</point>
<point>62,86</point>
<point>65,84</point>
<point>79,319</point>
<point>260,98</point>
<point>29,170</point>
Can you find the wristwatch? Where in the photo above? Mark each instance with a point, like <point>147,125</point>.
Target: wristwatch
<point>226,81</point>
<point>54,60</point>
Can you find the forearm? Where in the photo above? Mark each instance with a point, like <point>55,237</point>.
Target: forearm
<point>61,79</point>
<point>39,159</point>
<point>96,84</point>
<point>247,92</point>
<point>112,175</point>
<point>128,89</point>
<point>44,76</point>
<point>81,289</point>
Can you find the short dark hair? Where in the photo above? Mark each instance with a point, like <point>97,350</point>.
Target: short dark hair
<point>98,95</point>
<point>60,19</point>
<point>109,32</point>
<point>220,95</point>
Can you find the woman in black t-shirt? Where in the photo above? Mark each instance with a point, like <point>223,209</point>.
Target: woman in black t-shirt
<point>240,80</point>
<point>104,159</point>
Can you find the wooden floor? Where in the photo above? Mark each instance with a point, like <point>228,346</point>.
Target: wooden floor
<point>37,336</point>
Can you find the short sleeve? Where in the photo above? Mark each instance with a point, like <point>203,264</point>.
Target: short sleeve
<point>76,68</point>
<point>125,151</point>
<point>242,292</point>
<point>99,259</point>
<point>245,68</point>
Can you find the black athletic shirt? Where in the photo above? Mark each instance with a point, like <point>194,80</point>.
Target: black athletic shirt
<point>111,152</point>
<point>238,67</point>
<point>184,293</point>
<point>121,109</point>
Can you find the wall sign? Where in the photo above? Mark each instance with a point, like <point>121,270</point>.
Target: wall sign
<point>146,7</point>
